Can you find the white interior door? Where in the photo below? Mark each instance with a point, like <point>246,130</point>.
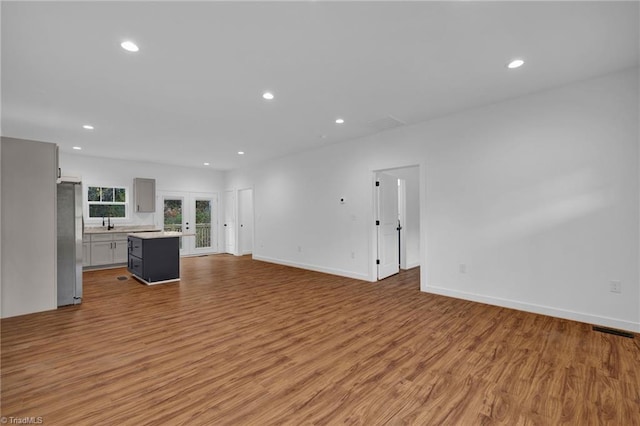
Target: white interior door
<point>245,218</point>
<point>387,225</point>
<point>402,220</point>
<point>230,222</point>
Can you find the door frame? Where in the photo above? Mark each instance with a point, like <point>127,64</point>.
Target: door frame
<point>159,219</point>
<point>208,196</point>
<point>188,247</point>
<point>235,213</point>
<point>373,234</point>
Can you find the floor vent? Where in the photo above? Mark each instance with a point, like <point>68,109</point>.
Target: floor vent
<point>613,331</point>
<point>122,278</point>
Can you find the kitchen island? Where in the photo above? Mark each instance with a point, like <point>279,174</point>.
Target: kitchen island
<point>154,257</point>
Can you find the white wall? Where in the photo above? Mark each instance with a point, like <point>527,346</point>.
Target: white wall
<point>28,227</point>
<point>105,171</point>
<point>299,219</point>
<point>537,196</point>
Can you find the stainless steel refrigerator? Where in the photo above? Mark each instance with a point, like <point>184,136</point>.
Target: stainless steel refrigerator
<point>70,228</point>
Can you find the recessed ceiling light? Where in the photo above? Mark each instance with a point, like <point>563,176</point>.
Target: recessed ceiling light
<point>268,96</point>
<point>77,148</point>
<point>87,127</point>
<point>516,63</point>
<point>206,164</point>
<point>240,152</point>
<point>129,46</point>
<point>339,121</point>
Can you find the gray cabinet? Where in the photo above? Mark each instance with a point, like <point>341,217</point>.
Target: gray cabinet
<point>154,260</point>
<point>144,193</point>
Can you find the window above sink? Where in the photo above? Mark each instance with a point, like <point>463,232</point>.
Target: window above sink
<point>106,201</point>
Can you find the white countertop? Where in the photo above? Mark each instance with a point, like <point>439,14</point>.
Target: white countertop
<point>159,234</point>
<point>121,229</point>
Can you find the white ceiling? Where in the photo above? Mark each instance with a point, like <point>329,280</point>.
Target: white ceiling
<point>193,91</point>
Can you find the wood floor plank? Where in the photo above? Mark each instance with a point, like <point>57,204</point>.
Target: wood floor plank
<point>241,342</point>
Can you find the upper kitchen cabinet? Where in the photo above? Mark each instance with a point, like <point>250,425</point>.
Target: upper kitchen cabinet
<point>144,192</point>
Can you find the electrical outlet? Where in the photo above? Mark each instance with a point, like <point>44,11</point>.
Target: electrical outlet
<point>463,268</point>
<point>615,286</point>
<point>299,249</point>
<point>353,254</point>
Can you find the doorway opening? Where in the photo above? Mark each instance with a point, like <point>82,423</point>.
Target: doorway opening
<point>397,213</point>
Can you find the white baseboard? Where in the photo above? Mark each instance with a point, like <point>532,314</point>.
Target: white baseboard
<point>332,271</point>
<point>537,309</point>
<point>412,265</point>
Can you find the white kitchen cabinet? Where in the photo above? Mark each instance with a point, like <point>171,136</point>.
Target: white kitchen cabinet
<point>108,249</point>
<point>86,254</point>
<point>101,253</point>
<point>120,252</point>
<point>86,249</point>
<point>144,193</point>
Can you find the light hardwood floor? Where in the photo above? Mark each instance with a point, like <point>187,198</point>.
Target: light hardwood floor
<point>241,342</point>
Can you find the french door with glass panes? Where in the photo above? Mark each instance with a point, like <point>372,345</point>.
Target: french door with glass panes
<point>195,215</point>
